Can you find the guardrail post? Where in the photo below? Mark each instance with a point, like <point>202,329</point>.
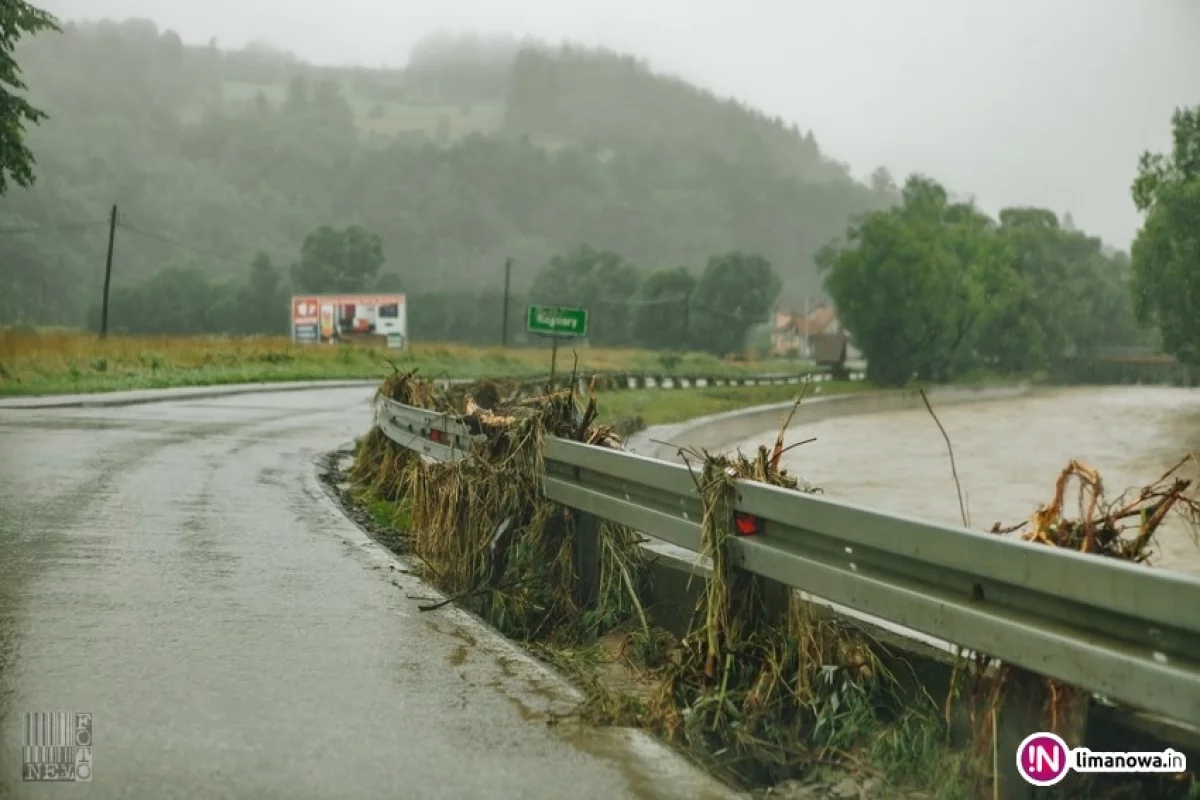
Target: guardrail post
<point>1025,708</point>
<point>586,552</point>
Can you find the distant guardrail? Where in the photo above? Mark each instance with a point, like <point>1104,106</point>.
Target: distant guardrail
<point>666,380</point>
<point>1124,632</point>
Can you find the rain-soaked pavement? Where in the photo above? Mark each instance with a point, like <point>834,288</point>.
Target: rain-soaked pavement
<point>177,570</point>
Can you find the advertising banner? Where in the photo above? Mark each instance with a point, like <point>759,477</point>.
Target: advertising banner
<point>365,318</point>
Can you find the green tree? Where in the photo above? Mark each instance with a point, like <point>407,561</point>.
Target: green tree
<point>601,281</point>
<point>180,299</point>
<point>1166,252</point>
<point>1076,293</point>
<point>933,289</point>
<point>17,19</point>
<point>736,291</point>
<point>338,261</point>
<point>909,284</point>
<point>263,305</point>
<point>662,314</point>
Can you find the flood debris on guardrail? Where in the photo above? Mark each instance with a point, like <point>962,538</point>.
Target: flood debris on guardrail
<point>760,687</point>
<point>1122,528</point>
<point>481,526</point>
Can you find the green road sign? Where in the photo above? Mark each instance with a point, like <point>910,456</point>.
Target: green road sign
<point>555,321</point>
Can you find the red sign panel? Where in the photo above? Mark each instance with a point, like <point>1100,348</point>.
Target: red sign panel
<point>305,310</point>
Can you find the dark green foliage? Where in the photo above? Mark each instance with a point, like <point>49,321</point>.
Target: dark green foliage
<point>570,95</point>
<point>184,299</point>
<point>603,282</point>
<point>469,317</point>
<point>1166,254</point>
<point>736,291</point>
<point>662,316</point>
<point>934,289</point>
<point>338,261</point>
<point>17,19</point>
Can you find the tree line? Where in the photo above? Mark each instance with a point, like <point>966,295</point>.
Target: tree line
<point>629,305</point>
<point>932,289</point>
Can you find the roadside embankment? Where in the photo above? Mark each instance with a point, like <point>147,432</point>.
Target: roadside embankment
<point>730,671</point>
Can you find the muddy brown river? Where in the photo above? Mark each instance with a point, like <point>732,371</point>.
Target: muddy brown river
<point>1009,454</point>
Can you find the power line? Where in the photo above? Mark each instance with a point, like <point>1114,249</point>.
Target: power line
<point>66,226</point>
<point>658,301</point>
<point>240,260</point>
<point>728,315</point>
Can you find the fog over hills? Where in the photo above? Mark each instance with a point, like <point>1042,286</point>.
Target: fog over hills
<point>1020,102</point>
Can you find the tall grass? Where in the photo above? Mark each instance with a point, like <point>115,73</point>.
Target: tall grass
<point>55,361</point>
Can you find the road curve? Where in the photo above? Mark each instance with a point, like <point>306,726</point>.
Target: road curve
<point>177,570</point>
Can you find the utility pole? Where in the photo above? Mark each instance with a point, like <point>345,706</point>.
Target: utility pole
<point>687,308</point>
<point>42,304</point>
<point>807,340</point>
<point>112,233</point>
<point>507,280</point>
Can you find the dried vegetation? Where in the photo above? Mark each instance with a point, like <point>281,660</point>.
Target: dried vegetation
<point>762,689</point>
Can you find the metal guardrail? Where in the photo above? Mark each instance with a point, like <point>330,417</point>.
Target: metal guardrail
<point>440,436</point>
<point>1125,632</point>
<point>664,380</point>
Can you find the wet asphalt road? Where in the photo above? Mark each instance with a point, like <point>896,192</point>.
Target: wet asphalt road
<point>177,570</point>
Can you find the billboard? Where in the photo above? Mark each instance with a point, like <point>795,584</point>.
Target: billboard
<point>367,318</point>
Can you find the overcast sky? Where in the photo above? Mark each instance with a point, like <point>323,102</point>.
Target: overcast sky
<point>1045,102</point>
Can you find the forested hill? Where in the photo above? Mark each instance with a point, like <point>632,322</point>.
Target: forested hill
<point>609,99</point>
<point>481,150</point>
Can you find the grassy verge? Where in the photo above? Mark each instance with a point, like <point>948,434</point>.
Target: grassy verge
<point>55,362</point>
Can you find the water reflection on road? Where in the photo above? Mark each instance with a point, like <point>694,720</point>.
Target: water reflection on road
<point>1008,453</point>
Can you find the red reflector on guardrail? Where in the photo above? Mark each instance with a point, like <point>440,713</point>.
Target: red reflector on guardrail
<point>435,436</point>
<point>746,525</point>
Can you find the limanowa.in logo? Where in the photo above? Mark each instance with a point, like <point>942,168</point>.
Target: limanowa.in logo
<point>1044,759</point>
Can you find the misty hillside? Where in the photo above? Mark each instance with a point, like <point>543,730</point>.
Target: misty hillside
<point>481,149</point>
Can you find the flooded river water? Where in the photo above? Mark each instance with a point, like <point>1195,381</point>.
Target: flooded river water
<point>1009,454</point>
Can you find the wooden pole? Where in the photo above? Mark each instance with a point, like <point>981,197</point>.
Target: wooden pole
<point>504,324</point>
<point>112,233</point>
